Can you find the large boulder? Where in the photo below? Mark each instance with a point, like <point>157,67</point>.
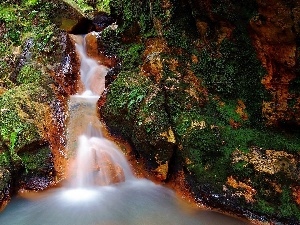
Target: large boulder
<point>197,96</point>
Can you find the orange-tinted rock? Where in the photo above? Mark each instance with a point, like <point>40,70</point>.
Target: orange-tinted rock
<point>269,161</point>
<point>67,74</point>
<point>153,66</point>
<point>241,110</point>
<point>95,50</point>
<point>296,194</point>
<point>106,171</point>
<point>274,37</point>
<point>242,189</point>
<point>161,171</point>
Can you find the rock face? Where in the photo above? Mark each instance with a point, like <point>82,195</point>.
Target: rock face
<point>206,92</point>
<point>32,97</point>
<point>275,31</point>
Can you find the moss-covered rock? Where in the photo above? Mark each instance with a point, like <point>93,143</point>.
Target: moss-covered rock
<point>5,175</point>
<point>38,168</point>
<point>22,111</point>
<point>31,48</point>
<point>145,121</point>
<point>197,61</point>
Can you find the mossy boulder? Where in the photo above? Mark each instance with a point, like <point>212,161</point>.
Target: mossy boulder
<point>198,60</point>
<point>32,48</point>
<point>141,103</point>
<point>25,120</point>
<point>38,167</point>
<point>25,112</point>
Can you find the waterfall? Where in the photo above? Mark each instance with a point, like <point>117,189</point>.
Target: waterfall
<point>98,161</point>
<point>101,188</point>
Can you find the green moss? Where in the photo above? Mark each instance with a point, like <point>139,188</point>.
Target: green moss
<point>4,159</point>
<point>287,207</point>
<point>202,152</point>
<point>131,55</point>
<point>8,14</point>
<point>29,74</point>
<point>234,11</point>
<point>264,207</point>
<point>135,109</point>
<point>127,93</point>
<point>20,107</point>
<point>135,17</point>
<point>234,74</point>
<point>36,161</point>
<point>175,30</point>
<point>103,5</point>
<point>82,6</point>
<point>30,3</point>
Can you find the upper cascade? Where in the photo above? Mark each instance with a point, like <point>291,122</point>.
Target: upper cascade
<point>92,74</point>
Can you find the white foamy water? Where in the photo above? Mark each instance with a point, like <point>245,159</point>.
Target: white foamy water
<point>92,74</point>
<point>101,188</point>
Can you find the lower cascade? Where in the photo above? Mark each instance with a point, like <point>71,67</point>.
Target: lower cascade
<point>101,188</point>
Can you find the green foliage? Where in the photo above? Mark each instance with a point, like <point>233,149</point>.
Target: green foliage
<point>30,36</point>
<point>125,95</point>
<point>30,3</point>
<point>111,40</point>
<point>8,14</point>
<point>103,5</point>
<point>136,16</point>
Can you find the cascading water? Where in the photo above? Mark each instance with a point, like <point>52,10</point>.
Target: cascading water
<point>101,189</point>
<point>98,161</point>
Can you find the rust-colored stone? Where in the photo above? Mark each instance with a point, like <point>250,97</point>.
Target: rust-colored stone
<point>161,171</point>
<point>241,110</point>
<point>242,189</point>
<point>296,194</point>
<point>153,66</point>
<point>107,171</point>
<point>95,50</point>
<point>274,37</point>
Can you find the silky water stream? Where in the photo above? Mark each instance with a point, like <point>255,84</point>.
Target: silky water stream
<point>101,188</point>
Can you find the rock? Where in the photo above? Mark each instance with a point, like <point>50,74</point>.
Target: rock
<point>270,162</point>
<point>274,38</point>
<point>199,80</point>
<point>106,172</point>
<point>5,178</point>
<point>102,20</point>
<point>66,74</point>
<point>20,108</point>
<point>96,51</point>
